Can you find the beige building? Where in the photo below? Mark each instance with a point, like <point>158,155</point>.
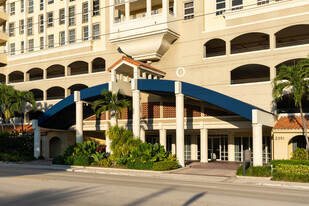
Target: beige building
<point>224,53</point>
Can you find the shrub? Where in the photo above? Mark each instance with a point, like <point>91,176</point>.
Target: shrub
<point>165,165</point>
<point>101,149</point>
<point>59,160</point>
<point>138,165</point>
<point>16,142</point>
<point>81,160</point>
<point>257,171</point>
<point>85,148</point>
<point>289,162</point>
<point>105,162</point>
<point>300,154</point>
<point>69,160</point>
<point>295,173</point>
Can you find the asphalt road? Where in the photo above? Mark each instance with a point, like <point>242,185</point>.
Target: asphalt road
<point>25,187</point>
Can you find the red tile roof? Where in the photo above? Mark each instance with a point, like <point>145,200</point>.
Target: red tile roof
<point>291,122</point>
<point>27,128</point>
<point>136,63</point>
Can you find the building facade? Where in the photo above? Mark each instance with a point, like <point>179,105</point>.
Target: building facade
<point>232,48</point>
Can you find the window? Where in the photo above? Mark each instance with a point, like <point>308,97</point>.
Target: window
<point>30,6</point>
<point>41,42</point>
<point>41,5</point>
<point>72,0</point>
<point>50,1</point>
<point>61,16</point>
<point>41,23</point>
<point>85,33</point>
<point>12,9</point>
<point>96,31</point>
<point>220,7</point>
<point>72,16</point>
<point>29,26</point>
<point>188,12</point>
<point>21,26</point>
<point>50,41</point>
<point>50,19</point>
<point>12,48</point>
<point>22,47</point>
<point>31,45</point>
<point>22,6</point>
<point>72,36</point>
<point>11,29</point>
<point>237,4</point>
<point>62,38</point>
<point>261,2</point>
<point>85,12</point>
<point>96,7</point>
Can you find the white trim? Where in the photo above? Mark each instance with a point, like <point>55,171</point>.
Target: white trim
<point>250,52</point>
<point>77,75</point>
<point>215,57</point>
<point>253,83</point>
<point>255,22</point>
<point>290,47</point>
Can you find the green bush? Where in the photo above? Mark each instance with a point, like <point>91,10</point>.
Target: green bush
<point>69,160</point>
<point>81,160</point>
<point>105,162</point>
<point>295,173</point>
<point>16,142</point>
<point>59,160</point>
<point>16,157</point>
<point>138,165</point>
<point>85,148</point>
<point>300,154</point>
<point>289,162</point>
<point>165,165</point>
<point>257,171</point>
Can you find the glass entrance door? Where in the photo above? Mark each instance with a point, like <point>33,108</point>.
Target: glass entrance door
<point>214,149</point>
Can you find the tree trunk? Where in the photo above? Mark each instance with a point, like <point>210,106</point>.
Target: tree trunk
<point>304,126</point>
<point>14,125</point>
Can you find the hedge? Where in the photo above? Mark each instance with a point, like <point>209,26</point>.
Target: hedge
<point>257,171</point>
<point>81,160</point>
<point>165,165</point>
<point>138,165</point>
<point>289,162</point>
<point>288,172</point>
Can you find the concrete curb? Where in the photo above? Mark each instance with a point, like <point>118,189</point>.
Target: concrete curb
<point>251,177</point>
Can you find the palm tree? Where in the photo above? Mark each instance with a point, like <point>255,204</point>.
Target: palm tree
<point>20,99</point>
<point>295,80</point>
<point>7,97</point>
<point>114,102</point>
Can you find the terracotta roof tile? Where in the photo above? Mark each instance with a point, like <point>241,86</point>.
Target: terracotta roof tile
<point>136,63</point>
<point>291,122</point>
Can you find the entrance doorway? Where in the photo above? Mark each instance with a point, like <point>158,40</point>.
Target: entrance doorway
<point>214,148</point>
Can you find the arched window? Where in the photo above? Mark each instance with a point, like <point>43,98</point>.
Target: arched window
<point>38,94</point>
<point>298,141</point>
<point>287,104</point>
<point>292,36</point>
<point>78,67</point>
<point>215,47</point>
<point>55,71</point>
<point>16,77</point>
<point>35,74</point>
<point>288,63</point>
<point>250,73</point>
<point>2,79</point>
<point>55,93</point>
<point>250,42</point>
<point>77,87</point>
<point>98,65</point>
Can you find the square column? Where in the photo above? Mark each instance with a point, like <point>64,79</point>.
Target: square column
<point>194,155</point>
<point>136,113</point>
<point>163,138</point>
<point>204,145</point>
<point>37,138</point>
<point>127,10</point>
<point>142,135</point>
<point>108,143</point>
<point>180,132</point>
<point>257,135</point>
<point>79,117</point>
<point>148,8</point>
<point>231,148</point>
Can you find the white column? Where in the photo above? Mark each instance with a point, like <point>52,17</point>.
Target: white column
<point>108,143</point>
<point>66,23</point>
<point>148,8</point>
<point>165,6</point>
<point>111,10</point>
<point>79,117</point>
<point>163,137</point>
<point>180,133</point>
<point>204,145</point>
<point>143,135</point>
<point>257,130</point>
<point>194,155</point>
<point>175,8</point>
<point>37,138</point>
<point>136,113</point>
<point>231,148</point>
<point>127,10</point>
<point>90,9</point>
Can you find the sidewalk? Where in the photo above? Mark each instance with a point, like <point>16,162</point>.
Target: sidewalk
<point>171,175</point>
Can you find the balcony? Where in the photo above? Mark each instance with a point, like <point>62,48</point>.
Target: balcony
<point>144,29</point>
